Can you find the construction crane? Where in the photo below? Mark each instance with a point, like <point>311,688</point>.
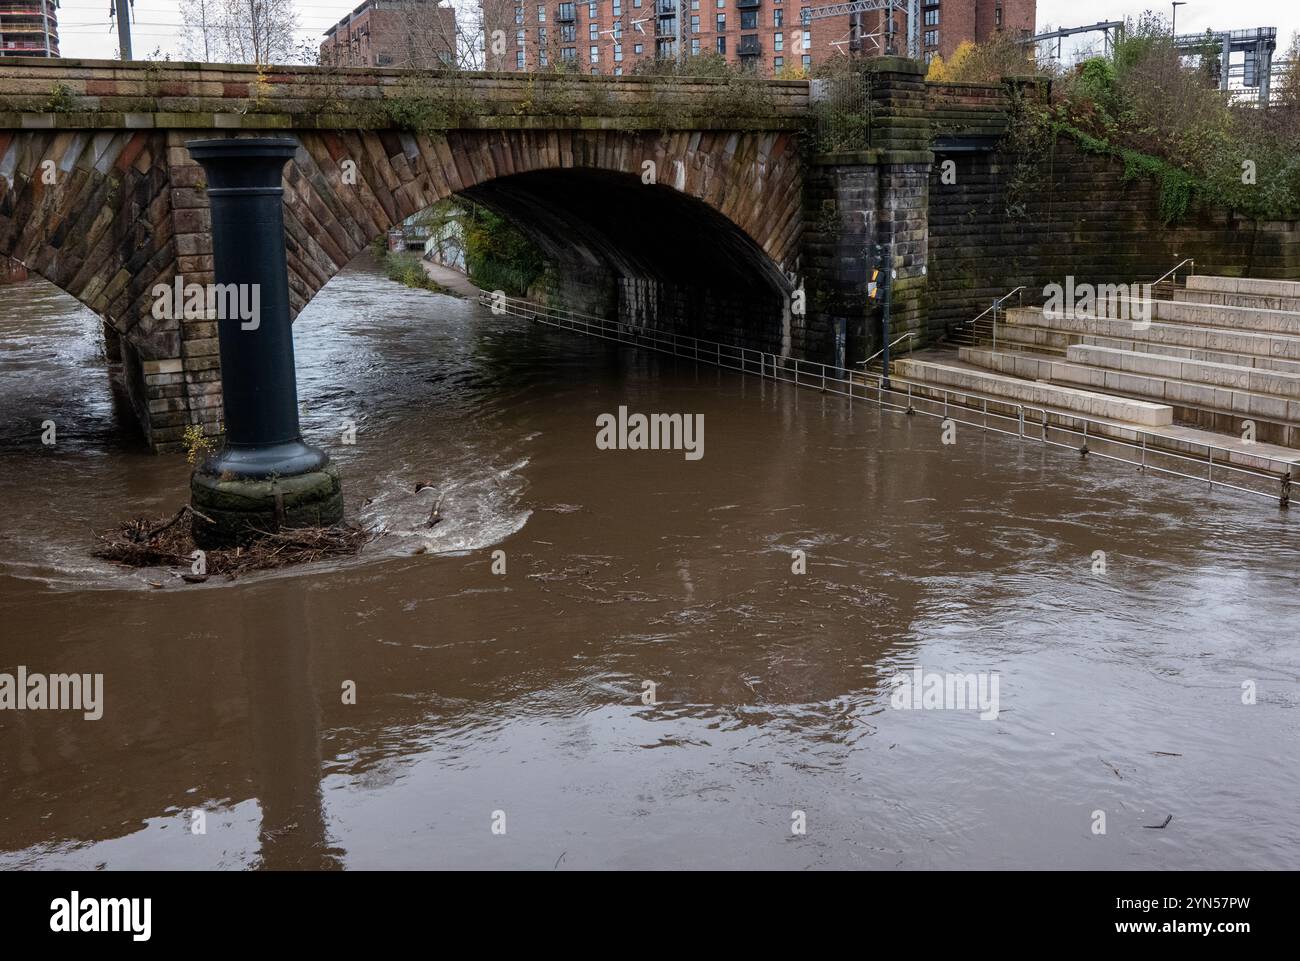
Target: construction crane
<point>911,7</point>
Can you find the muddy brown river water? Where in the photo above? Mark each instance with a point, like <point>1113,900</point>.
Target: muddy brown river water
<point>500,719</point>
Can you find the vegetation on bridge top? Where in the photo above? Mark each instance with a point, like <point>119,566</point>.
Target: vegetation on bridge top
<point>701,93</point>
<point>1161,116</point>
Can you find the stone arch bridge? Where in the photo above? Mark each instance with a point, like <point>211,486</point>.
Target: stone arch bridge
<point>99,195</point>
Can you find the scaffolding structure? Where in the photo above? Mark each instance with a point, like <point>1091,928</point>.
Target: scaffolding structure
<point>1255,68</point>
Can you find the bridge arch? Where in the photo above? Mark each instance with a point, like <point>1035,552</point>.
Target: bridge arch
<point>728,201</point>
<point>715,235</point>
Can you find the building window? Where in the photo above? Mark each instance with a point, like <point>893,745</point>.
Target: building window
<point>568,32</point>
<point>807,61</point>
<point>778,18</point>
<point>722,45</point>
<point>618,53</point>
<point>541,36</point>
<point>617,7</point>
<point>778,63</point>
<point>997,17</point>
<point>593,31</point>
<point>695,46</point>
<point>519,60</point>
<point>519,38</point>
<point>595,54</point>
<point>638,48</point>
<point>695,4</point>
<point>721,4</point>
<point>636,3</point>
<point>932,17</point>
<point>569,54</point>
<point>541,13</point>
<point>695,24</point>
<point>929,55</point>
<point>567,11</point>
<point>618,71</point>
<point>722,23</point>
<point>519,14</point>
<point>932,38</point>
<point>542,59</point>
<point>618,30</point>
<point>806,40</point>
<point>591,12</point>
<point>778,41</point>
<point>749,20</point>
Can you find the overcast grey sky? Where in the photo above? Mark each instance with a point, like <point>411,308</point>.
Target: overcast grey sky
<point>85,27</point>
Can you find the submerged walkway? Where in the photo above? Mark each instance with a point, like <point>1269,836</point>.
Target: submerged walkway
<point>450,278</point>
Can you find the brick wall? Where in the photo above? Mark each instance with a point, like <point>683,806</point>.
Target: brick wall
<point>415,33</point>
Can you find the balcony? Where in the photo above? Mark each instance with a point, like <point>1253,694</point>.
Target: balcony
<point>750,47</point>
<point>749,4</point>
<point>567,12</point>
<point>666,27</point>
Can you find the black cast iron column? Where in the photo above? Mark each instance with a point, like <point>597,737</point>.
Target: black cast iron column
<point>259,388</point>
<point>265,477</point>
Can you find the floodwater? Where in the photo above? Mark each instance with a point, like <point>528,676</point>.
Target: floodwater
<point>500,719</point>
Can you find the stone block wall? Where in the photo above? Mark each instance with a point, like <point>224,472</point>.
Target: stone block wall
<point>1081,218</point>
<point>854,201</point>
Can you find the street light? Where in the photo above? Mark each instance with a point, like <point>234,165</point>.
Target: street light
<point>1173,23</point>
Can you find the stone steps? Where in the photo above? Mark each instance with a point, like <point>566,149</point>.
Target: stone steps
<point>1045,340</point>
<point>1228,317</point>
<point>1277,418</point>
<point>1229,376</point>
<point>951,381</point>
<point>1259,344</point>
<point>1085,402</point>
<point>1227,299</point>
<point>1244,285</point>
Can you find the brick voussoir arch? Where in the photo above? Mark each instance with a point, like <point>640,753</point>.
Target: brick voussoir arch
<point>750,179</point>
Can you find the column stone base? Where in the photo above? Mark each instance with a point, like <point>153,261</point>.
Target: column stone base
<point>241,509</point>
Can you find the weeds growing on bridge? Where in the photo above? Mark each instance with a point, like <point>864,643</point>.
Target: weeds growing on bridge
<point>60,99</point>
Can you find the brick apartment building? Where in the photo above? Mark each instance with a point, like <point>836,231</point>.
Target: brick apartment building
<point>391,33</point>
<point>29,28</point>
<point>612,36</point>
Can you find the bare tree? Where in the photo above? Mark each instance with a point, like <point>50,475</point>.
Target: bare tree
<point>1288,93</point>
<point>438,34</point>
<point>201,35</point>
<point>259,31</point>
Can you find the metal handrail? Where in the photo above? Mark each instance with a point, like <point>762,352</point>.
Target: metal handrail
<point>1185,260</point>
<point>911,333</point>
<point>998,303</point>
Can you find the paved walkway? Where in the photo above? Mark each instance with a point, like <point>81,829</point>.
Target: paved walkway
<point>450,278</point>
